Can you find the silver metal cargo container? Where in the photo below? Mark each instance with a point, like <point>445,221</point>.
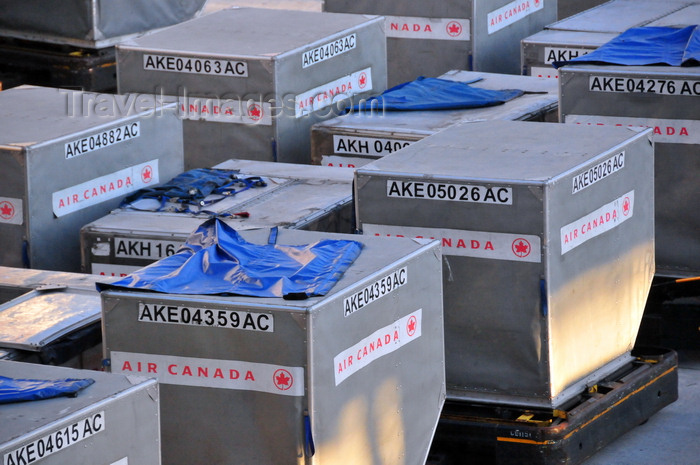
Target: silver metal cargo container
<point>586,31</point>
<point>114,421</point>
<point>431,38</point>
<point>358,138</point>
<point>548,246</point>
<point>90,23</point>
<point>361,398</point>
<point>318,199</point>
<point>50,317</point>
<point>662,98</point>
<point>68,157</point>
<point>251,82</point>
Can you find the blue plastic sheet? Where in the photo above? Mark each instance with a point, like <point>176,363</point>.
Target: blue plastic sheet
<point>199,187</point>
<point>217,260</point>
<point>646,46</point>
<point>436,94</point>
<point>20,390</point>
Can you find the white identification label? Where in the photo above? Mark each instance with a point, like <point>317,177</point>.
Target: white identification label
<point>211,317</point>
<point>372,146</point>
<point>378,344</point>
<point>498,195</point>
<point>332,92</point>
<point>212,373</point>
<point>594,224</point>
<point>143,248</point>
<point>107,187</point>
<point>102,140</point>
<point>11,210</point>
<point>343,161</point>
<point>195,65</point>
<point>552,54</point>
<point>106,269</point>
<point>412,27</point>
<point>123,461</point>
<point>630,85</point>
<point>671,131</point>
<point>598,172</point>
<point>56,441</point>
<point>543,72</point>
<point>477,244</point>
<point>511,13</point>
<point>374,291</point>
<point>328,50</point>
<point>225,111</point>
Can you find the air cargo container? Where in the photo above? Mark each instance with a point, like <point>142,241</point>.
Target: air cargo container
<point>68,157</point>
<point>548,249</point>
<point>432,38</point>
<point>359,137</point>
<point>113,420</point>
<point>586,31</point>
<point>250,82</point>
<point>293,196</point>
<point>353,374</point>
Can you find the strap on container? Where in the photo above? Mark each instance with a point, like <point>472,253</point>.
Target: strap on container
<point>309,448</point>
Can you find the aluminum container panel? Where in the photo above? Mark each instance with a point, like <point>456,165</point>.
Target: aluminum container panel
<point>68,158</point>
<point>505,199</point>
<point>540,50</point>
<point>318,200</point>
<point>432,39</point>
<point>324,359</point>
<point>617,16</point>
<point>91,24</point>
<point>356,139</point>
<point>115,420</point>
<point>662,98</point>
<point>250,91</point>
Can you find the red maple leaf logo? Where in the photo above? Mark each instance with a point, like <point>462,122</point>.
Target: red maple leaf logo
<point>411,326</point>
<point>626,205</point>
<point>521,247</point>
<point>7,210</point>
<point>363,80</point>
<point>283,379</point>
<point>254,112</point>
<point>454,28</point>
<point>146,174</point>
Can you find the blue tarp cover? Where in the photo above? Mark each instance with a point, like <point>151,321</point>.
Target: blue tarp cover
<point>217,260</point>
<point>193,187</point>
<point>19,390</point>
<point>642,46</point>
<point>436,94</point>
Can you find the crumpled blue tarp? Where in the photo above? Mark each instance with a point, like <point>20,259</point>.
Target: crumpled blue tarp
<point>436,94</point>
<point>194,187</point>
<point>642,46</point>
<point>19,390</point>
<point>215,259</point>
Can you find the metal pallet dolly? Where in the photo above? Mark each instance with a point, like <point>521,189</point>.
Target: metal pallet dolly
<point>506,435</point>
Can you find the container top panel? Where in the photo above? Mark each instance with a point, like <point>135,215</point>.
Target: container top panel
<point>570,38</point>
<point>27,279</point>
<point>378,254</point>
<point>541,94</point>
<point>287,170</point>
<point>26,417</point>
<point>687,16</point>
<point>619,15</point>
<point>30,116</point>
<point>258,32</point>
<point>513,151</point>
<point>40,317</point>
